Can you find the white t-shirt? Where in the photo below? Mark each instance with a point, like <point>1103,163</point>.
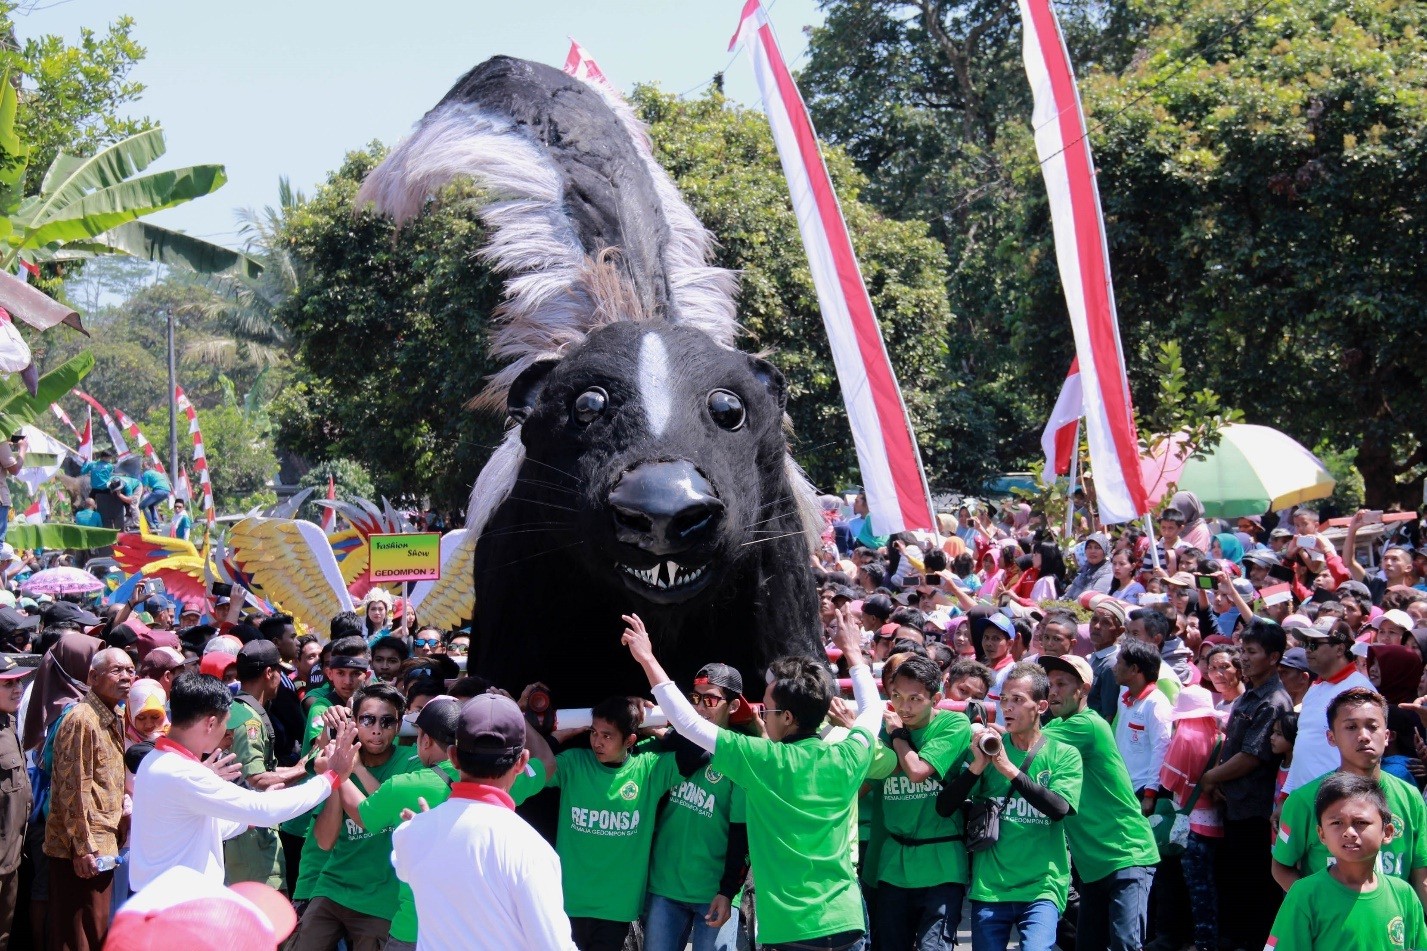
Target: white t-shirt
<point>507,895</point>
<point>1312,754</point>
<point>183,812</point>
<point>1142,732</point>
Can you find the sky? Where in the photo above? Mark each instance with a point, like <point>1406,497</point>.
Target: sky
<point>270,89</point>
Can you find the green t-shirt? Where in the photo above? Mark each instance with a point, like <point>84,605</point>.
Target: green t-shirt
<point>1298,845</point>
<point>606,829</point>
<point>302,825</point>
<point>908,809</point>
<point>1107,832</point>
<point>358,872</point>
<point>691,840</point>
<point>382,810</point>
<point>1029,861</point>
<point>1321,912</point>
<point>801,827</point>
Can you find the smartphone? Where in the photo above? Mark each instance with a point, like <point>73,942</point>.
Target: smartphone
<point>1372,517</point>
<point>1280,572</point>
<point>220,590</point>
<point>912,581</point>
<point>932,581</point>
<point>1205,582</point>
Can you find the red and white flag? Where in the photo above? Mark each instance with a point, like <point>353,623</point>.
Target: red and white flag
<point>146,447</point>
<point>580,64</point>
<point>881,432</point>
<point>39,510</point>
<point>181,487</point>
<point>63,417</point>
<point>86,439</point>
<point>329,516</point>
<point>116,435</point>
<point>1081,251</point>
<point>1058,439</point>
<point>200,459</point>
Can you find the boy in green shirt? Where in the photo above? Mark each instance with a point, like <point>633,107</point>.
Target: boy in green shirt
<point>355,893</point>
<point>701,842</point>
<point>1349,906</point>
<point>800,791</point>
<point>922,871</point>
<point>1357,727</point>
<point>1110,838</point>
<point>1023,878</point>
<point>609,794</point>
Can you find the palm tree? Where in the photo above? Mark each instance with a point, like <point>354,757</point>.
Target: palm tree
<point>243,312</point>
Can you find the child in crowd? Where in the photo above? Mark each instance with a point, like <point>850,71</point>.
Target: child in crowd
<point>1285,732</point>
<point>1349,906</point>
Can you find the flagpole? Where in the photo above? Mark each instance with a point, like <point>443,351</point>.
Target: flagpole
<point>172,400</point>
<point>1070,488</point>
<point>1154,546</point>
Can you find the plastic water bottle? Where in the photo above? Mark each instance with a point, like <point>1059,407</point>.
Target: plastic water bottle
<point>107,863</point>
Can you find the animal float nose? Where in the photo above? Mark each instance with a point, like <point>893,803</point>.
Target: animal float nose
<point>664,507</point>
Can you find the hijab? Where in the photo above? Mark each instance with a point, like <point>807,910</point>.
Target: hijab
<point>62,679</point>
<point>954,547</point>
<point>145,696</point>
<point>1232,548</point>
<point>1400,669</point>
<point>1195,532</point>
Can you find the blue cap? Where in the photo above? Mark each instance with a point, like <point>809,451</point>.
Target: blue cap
<point>157,603</point>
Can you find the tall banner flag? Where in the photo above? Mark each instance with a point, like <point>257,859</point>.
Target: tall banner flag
<point>146,447</point>
<point>1059,438</point>
<point>1063,146</point>
<point>329,515</point>
<point>86,439</point>
<point>116,435</point>
<point>881,432</point>
<point>200,460</point>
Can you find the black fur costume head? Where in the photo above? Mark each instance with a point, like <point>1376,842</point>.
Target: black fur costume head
<point>647,469</point>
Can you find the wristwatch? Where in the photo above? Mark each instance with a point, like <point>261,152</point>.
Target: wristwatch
<point>901,733</point>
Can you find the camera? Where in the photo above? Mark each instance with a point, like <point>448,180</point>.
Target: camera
<point>220,590</point>
<point>1206,582</point>
<point>989,743</point>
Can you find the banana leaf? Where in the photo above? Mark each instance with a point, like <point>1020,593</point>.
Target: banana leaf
<point>69,177</point>
<point>60,535</point>
<point>18,407</point>
<point>174,248</point>
<point>123,202</point>
<point>13,152</point>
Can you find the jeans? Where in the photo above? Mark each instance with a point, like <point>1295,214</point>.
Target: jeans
<point>599,934</point>
<point>991,923</point>
<point>1199,880</point>
<point>668,925</point>
<point>917,919</point>
<point>1243,877</point>
<point>4,520</point>
<point>150,504</point>
<point>1114,911</point>
<point>845,941</point>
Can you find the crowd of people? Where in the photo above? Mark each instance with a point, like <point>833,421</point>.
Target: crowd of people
<point>1212,737</point>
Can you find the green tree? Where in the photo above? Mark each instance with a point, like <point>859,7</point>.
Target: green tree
<point>73,95</point>
<point>241,463</point>
<point>391,333</point>
<point>349,479</point>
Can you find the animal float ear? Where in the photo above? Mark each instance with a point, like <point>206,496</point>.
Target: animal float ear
<point>772,379</point>
<point>525,391</point>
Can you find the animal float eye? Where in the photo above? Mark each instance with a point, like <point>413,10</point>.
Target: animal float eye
<point>590,404</point>
<point>726,409</point>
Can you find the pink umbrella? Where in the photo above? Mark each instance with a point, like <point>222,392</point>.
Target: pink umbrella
<point>1160,468</point>
<point>61,581</point>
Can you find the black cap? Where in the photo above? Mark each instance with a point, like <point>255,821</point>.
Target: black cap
<point>121,636</point>
<point>67,612</point>
<point>256,657</point>
<point>492,725</point>
<point>11,670</point>
<point>12,621</point>
<point>196,636</point>
<point>438,720</point>
<point>843,591</point>
<point>722,676</point>
<point>879,606</point>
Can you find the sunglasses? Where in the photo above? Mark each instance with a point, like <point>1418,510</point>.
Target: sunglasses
<point>425,642</point>
<point>706,700</point>
<point>457,649</point>
<point>767,710</point>
<point>370,720</point>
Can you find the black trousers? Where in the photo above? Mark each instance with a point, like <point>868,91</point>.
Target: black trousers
<point>598,934</point>
<point>1243,874</point>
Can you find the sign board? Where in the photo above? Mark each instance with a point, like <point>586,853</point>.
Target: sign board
<point>405,557</point>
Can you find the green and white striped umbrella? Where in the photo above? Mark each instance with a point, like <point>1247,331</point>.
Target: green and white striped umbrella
<point>1255,469</point>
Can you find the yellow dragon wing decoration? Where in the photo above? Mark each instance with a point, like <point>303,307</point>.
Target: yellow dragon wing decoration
<point>450,602</point>
<point>291,560</point>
